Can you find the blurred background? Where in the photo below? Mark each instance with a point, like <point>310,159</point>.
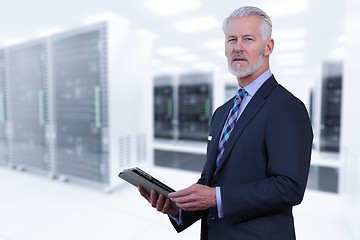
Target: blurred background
<point>88,88</point>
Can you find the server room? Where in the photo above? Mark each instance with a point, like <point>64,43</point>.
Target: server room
<point>90,88</point>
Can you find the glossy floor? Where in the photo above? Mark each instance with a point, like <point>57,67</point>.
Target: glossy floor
<point>33,207</point>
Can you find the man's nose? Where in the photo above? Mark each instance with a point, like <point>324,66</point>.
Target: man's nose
<point>238,47</point>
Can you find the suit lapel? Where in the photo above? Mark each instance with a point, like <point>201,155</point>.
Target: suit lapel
<point>253,107</point>
<point>215,137</point>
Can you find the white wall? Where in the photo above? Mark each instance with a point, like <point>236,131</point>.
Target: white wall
<point>350,147</point>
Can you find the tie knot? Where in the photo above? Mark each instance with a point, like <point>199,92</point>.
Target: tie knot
<point>242,93</point>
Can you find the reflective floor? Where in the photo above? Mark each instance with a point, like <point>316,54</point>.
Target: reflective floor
<point>33,207</point>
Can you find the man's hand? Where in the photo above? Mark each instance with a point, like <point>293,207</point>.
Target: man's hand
<point>195,197</point>
<point>159,202</point>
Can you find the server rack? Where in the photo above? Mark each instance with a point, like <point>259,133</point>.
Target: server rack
<point>27,77</point>
<point>77,78</point>
<point>183,106</point>
<point>194,106</point>
<point>103,102</point>
<point>326,116</point>
<point>331,107</point>
<point>164,107</point>
<point>191,96</point>
<point>3,139</point>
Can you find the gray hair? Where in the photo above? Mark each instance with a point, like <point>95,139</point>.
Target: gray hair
<point>265,27</point>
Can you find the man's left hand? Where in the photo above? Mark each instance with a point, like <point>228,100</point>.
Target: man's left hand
<point>196,197</point>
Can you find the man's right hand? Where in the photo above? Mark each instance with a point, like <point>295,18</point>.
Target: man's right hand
<point>159,202</point>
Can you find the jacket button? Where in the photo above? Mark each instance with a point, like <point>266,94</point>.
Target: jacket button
<point>212,218</point>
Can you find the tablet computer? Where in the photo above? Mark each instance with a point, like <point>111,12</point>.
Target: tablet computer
<point>136,177</point>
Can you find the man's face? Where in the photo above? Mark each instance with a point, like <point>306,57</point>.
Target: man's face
<point>244,46</point>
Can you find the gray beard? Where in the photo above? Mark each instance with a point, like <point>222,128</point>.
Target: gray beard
<point>251,69</point>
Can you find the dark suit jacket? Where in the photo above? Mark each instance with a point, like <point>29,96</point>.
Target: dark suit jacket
<point>263,171</point>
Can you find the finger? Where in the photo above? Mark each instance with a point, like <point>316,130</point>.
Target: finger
<point>179,193</point>
<point>153,198</point>
<point>182,193</point>
<point>166,207</point>
<point>184,199</point>
<point>160,203</point>
<point>143,193</point>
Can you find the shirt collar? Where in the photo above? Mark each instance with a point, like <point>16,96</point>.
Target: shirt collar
<point>252,87</point>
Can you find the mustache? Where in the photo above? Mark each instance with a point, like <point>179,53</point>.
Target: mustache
<point>238,55</point>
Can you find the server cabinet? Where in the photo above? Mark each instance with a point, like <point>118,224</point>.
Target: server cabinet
<point>27,64</point>
<point>331,107</point>
<point>194,106</point>
<point>102,92</point>
<point>164,114</point>
<point>77,77</point>
<point>3,139</point>
<point>194,96</point>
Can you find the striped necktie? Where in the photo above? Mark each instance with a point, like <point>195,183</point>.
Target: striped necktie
<point>230,123</point>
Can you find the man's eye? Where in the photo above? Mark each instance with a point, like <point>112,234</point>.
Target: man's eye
<point>248,39</point>
<point>232,40</point>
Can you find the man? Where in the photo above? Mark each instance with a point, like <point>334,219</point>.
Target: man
<point>258,153</point>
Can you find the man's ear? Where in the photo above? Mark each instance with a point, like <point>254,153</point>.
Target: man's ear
<point>269,47</point>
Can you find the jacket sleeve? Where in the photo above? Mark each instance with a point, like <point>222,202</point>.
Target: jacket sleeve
<point>188,218</point>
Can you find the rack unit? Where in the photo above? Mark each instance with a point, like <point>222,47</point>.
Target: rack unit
<point>80,103</point>
<point>3,139</point>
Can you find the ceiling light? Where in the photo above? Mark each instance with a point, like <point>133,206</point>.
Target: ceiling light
<point>288,56</point>
<point>186,58</point>
<point>170,51</point>
<point>289,45</point>
<point>290,62</point>
<point>287,34</point>
<point>168,69</point>
<point>169,8</point>
<point>148,33</point>
<point>285,8</point>
<point>203,65</point>
<point>215,44</point>
<point>198,24</point>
